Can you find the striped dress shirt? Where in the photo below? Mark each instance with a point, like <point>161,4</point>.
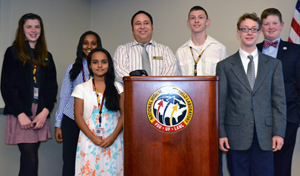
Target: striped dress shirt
<point>66,102</point>
<point>128,58</point>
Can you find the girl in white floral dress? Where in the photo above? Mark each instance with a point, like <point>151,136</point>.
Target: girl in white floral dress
<point>98,111</point>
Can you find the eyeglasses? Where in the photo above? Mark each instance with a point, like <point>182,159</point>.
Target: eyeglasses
<point>246,30</point>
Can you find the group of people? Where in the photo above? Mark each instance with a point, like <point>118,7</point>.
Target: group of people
<point>259,98</point>
<point>259,95</point>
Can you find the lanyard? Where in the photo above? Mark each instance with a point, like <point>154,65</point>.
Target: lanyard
<point>196,62</point>
<point>34,74</point>
<point>83,77</point>
<point>100,105</point>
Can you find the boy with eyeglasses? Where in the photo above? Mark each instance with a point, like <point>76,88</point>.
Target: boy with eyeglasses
<point>289,54</point>
<point>252,105</point>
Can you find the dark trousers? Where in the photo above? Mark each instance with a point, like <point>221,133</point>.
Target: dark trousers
<point>283,158</point>
<point>252,162</point>
<point>70,133</point>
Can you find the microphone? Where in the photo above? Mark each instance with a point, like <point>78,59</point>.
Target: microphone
<point>138,73</point>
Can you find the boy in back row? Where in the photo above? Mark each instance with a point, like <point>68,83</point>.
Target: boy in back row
<point>289,55</point>
<point>200,55</point>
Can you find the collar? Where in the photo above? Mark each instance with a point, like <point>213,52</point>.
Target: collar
<point>84,61</point>
<point>244,54</point>
<point>209,40</point>
<point>134,43</point>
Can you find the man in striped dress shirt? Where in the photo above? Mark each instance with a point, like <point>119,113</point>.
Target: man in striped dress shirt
<point>128,57</point>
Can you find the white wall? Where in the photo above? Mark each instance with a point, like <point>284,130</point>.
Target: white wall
<point>64,22</point>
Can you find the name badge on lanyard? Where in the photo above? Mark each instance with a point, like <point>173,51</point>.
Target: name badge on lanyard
<point>36,93</point>
<point>99,131</point>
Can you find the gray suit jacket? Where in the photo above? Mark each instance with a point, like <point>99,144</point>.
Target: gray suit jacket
<point>241,108</point>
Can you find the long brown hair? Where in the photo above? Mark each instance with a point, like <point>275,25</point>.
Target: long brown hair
<point>40,52</point>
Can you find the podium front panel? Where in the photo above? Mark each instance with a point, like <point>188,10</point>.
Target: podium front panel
<point>192,150</point>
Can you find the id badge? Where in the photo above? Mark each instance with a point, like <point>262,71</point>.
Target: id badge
<point>99,131</point>
<point>36,93</point>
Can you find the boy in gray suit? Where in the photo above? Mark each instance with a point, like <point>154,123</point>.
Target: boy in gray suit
<point>252,104</point>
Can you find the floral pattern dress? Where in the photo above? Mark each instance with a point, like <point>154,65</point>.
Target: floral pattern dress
<point>94,160</point>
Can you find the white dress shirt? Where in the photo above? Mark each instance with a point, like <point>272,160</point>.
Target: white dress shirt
<point>214,52</point>
<point>128,58</point>
<point>244,57</point>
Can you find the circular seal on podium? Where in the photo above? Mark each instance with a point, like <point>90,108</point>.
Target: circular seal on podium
<point>170,109</point>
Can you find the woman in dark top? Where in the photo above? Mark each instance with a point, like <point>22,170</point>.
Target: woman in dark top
<point>28,88</point>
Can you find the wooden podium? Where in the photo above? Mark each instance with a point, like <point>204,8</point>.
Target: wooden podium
<point>191,151</point>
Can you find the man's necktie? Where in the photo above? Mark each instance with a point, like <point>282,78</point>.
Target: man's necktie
<point>267,44</point>
<point>251,72</point>
<point>145,59</point>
